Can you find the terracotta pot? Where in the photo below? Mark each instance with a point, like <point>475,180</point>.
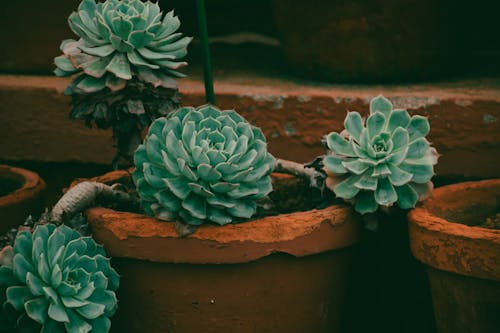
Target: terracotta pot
<point>21,194</point>
<point>463,258</point>
<point>284,273</point>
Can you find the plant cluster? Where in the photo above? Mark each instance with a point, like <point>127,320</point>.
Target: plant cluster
<point>196,165</point>
<point>125,64</point>
<point>203,165</point>
<point>387,161</point>
<point>55,280</point>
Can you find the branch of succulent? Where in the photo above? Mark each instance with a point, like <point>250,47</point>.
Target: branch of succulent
<point>316,178</point>
<point>127,111</point>
<point>385,163</point>
<point>84,195</point>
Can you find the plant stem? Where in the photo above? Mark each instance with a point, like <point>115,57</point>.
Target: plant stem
<point>205,51</point>
<point>85,195</point>
<point>316,178</point>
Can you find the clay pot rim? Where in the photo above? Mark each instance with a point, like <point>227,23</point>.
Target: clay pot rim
<point>138,236</point>
<point>434,240</point>
<point>330,228</point>
<point>31,182</point>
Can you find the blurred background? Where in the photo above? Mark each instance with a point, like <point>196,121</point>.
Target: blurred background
<point>370,41</point>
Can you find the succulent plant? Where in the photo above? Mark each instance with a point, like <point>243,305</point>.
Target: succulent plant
<point>125,63</point>
<point>57,281</point>
<point>120,39</point>
<point>203,165</point>
<point>389,161</point>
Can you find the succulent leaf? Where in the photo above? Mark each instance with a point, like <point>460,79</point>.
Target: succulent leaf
<point>122,39</point>
<point>58,281</point>
<point>383,161</point>
<point>213,166</point>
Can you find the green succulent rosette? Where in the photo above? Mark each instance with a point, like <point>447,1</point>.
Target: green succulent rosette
<point>389,161</point>
<point>119,40</point>
<point>203,165</point>
<point>55,280</point>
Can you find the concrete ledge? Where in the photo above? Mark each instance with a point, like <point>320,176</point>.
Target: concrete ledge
<point>464,117</point>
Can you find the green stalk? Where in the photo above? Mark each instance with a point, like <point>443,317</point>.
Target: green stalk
<point>205,52</point>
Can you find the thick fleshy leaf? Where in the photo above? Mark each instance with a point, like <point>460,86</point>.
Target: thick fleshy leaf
<point>64,64</point>
<point>365,202</point>
<point>334,164</point>
<point>35,284</point>
<point>77,323</point>
<point>407,197</point>
<point>101,325</point>
<point>99,51</point>
<point>367,182</point>
<point>91,310</point>
<point>397,176</point>
<point>168,200</point>
<point>200,190</point>
<point>196,206</point>
<point>37,309</point>
<point>58,313</point>
<point>120,66</point>
<point>398,118</point>
<point>356,166</point>
<point>208,173</point>
<point>243,209</point>
<point>223,187</point>
<point>381,170</point>
<point>419,127</point>
<point>374,124</point>
<point>399,139</point>
<point>18,295</point>
<point>382,105</point>
<point>354,125</point>
<point>385,194</point>
<point>418,148</point>
<point>346,188</point>
<point>186,170</point>
<point>219,216</point>
<point>339,145</point>
<point>422,173</point>
<point>22,267</point>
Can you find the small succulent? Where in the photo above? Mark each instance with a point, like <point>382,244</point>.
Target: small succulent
<point>54,280</point>
<point>125,64</point>
<point>389,161</point>
<point>203,165</point>
<point>120,39</point>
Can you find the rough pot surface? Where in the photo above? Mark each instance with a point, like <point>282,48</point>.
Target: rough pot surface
<point>232,278</point>
<point>21,194</point>
<point>463,259</point>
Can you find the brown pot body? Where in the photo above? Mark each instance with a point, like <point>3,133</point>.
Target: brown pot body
<point>278,293</point>
<point>463,259</point>
<point>26,200</point>
<point>285,273</point>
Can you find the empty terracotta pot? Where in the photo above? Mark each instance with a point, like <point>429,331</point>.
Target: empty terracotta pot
<point>21,195</point>
<point>284,273</point>
<point>463,257</point>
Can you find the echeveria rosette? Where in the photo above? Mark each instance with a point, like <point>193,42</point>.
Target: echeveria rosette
<point>387,162</point>
<point>119,40</point>
<point>58,281</point>
<point>203,165</point>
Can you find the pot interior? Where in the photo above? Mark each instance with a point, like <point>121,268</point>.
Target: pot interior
<point>290,194</point>
<point>10,181</point>
<point>471,203</point>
